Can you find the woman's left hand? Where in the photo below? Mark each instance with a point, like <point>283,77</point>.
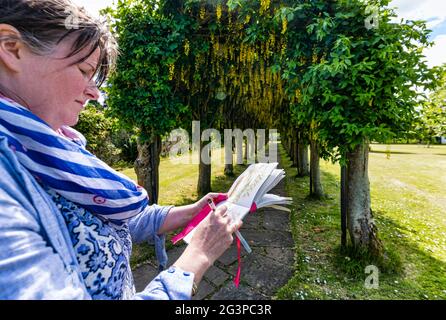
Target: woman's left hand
<point>203,202</point>
<point>179,217</point>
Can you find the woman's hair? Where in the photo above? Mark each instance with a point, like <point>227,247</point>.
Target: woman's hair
<point>43,24</point>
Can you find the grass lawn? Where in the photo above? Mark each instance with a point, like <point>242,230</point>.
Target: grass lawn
<point>409,205</point>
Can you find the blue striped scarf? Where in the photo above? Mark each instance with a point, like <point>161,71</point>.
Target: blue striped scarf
<point>65,166</point>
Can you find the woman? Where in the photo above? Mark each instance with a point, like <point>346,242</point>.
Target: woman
<point>67,220</point>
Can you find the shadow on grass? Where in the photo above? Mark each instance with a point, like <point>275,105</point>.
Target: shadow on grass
<point>403,152</point>
<point>393,152</point>
<point>428,273</point>
<point>316,225</point>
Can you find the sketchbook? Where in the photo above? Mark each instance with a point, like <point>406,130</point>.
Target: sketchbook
<point>252,187</point>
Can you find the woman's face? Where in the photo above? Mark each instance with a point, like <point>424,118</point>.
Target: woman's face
<point>56,88</point>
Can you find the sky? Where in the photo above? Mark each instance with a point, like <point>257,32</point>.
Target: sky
<point>433,11</point>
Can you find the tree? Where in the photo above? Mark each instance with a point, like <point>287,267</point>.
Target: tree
<point>98,131</point>
<point>433,114</point>
<point>359,87</point>
<point>140,91</point>
<point>184,58</point>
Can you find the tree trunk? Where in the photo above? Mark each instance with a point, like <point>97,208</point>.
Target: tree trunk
<point>229,170</point>
<point>229,155</point>
<point>147,167</point>
<point>247,150</point>
<point>343,206</point>
<point>204,174</point>
<point>283,140</point>
<point>315,173</point>
<point>289,144</point>
<point>302,168</point>
<point>267,139</point>
<point>360,224</point>
<point>295,150</point>
<point>291,147</point>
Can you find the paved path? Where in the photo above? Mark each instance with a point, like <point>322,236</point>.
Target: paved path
<point>264,271</point>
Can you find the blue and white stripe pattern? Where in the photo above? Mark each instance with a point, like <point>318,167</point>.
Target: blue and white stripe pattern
<point>65,166</point>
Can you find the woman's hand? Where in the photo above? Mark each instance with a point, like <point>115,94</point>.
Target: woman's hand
<point>203,202</point>
<point>179,217</point>
<point>213,236</point>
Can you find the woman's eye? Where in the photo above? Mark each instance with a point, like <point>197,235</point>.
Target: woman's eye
<point>84,73</point>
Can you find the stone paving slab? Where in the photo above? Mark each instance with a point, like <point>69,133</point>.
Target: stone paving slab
<point>264,238</point>
<point>263,273</point>
<point>205,290</point>
<point>253,221</point>
<point>143,275</point>
<point>175,253</point>
<point>281,255</point>
<point>276,220</point>
<point>243,292</point>
<point>230,256</point>
<point>216,276</point>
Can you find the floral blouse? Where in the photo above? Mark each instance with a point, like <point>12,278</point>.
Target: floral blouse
<point>103,251</point>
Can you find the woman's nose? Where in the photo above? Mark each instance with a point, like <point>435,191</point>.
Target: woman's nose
<point>92,91</point>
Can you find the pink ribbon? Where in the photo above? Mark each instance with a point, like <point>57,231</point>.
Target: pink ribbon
<point>239,253</point>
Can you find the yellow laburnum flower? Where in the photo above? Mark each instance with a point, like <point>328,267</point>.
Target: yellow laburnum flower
<point>323,59</point>
<point>283,49</point>
<point>298,95</point>
<point>186,47</point>
<point>171,71</point>
<point>182,75</point>
<point>272,40</point>
<point>219,12</point>
<point>264,5</point>
<point>284,25</point>
<point>202,13</point>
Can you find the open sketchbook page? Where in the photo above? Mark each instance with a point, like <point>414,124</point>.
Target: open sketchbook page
<point>251,187</point>
<point>244,190</point>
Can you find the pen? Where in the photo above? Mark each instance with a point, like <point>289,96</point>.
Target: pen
<point>237,233</point>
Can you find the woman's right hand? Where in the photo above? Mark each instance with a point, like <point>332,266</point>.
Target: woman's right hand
<point>213,236</point>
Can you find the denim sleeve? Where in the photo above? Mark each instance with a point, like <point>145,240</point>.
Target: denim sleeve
<point>145,226</point>
<point>29,267</point>
<point>172,284</point>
